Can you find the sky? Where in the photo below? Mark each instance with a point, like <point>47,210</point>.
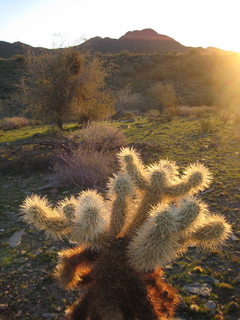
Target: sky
<point>62,23</point>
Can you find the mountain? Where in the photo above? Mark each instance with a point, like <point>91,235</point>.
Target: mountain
<point>8,50</point>
<point>138,41</point>
<point>144,41</point>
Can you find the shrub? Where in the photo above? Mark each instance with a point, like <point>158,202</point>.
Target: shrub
<point>185,111</point>
<point>126,99</point>
<point>158,74</point>
<point>85,168</point>
<point>152,115</point>
<point>128,115</point>
<point>13,123</point>
<point>236,117</point>
<point>19,57</point>
<point>25,159</point>
<point>225,116</point>
<point>164,95</point>
<point>206,125</point>
<point>102,136</point>
<point>65,85</point>
<point>91,163</point>
<point>125,53</point>
<point>197,111</point>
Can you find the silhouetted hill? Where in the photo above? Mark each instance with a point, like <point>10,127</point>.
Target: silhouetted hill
<point>138,41</point>
<point>144,41</point>
<point>8,50</point>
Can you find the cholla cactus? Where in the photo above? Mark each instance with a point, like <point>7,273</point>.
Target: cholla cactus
<point>149,218</point>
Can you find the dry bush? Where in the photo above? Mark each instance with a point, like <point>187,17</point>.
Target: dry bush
<point>197,111</point>
<point>165,97</point>
<point>92,162</point>
<point>225,116</point>
<point>152,115</point>
<point>25,159</point>
<point>126,99</point>
<point>85,168</point>
<point>101,136</point>
<point>185,111</point>
<point>13,123</point>
<point>206,125</point>
<point>158,74</point>
<point>236,117</point>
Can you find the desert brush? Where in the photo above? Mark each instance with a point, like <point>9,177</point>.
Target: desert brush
<point>149,217</point>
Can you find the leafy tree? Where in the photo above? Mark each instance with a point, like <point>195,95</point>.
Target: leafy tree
<point>67,85</point>
<point>165,96</point>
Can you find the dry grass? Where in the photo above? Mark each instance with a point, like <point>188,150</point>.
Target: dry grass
<point>84,168</point>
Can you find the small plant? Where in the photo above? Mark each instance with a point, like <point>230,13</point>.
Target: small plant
<point>128,115</point>
<point>158,74</point>
<point>149,217</point>
<point>20,57</point>
<point>225,286</point>
<point>206,126</point>
<point>152,115</point>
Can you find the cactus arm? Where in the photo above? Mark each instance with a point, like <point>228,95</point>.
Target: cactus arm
<point>212,233</point>
<point>67,207</point>
<point>91,219</point>
<point>38,211</point>
<point>119,212</point>
<point>157,241</point>
<point>153,244</point>
<point>196,178</point>
<point>131,163</point>
<point>120,191</point>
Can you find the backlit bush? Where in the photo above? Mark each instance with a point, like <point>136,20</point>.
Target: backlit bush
<point>13,123</point>
<point>84,168</point>
<point>91,163</point>
<point>102,136</point>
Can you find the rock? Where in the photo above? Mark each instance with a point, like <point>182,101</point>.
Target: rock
<point>233,237</point>
<point>49,315</point>
<point>210,305</point>
<point>4,144</point>
<point>233,307</point>
<point>203,289</point>
<point>15,239</point>
<point>53,191</point>
<point>182,304</point>
<point>207,279</point>
<point>10,213</point>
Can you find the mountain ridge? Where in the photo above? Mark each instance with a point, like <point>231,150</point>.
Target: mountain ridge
<point>137,41</point>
